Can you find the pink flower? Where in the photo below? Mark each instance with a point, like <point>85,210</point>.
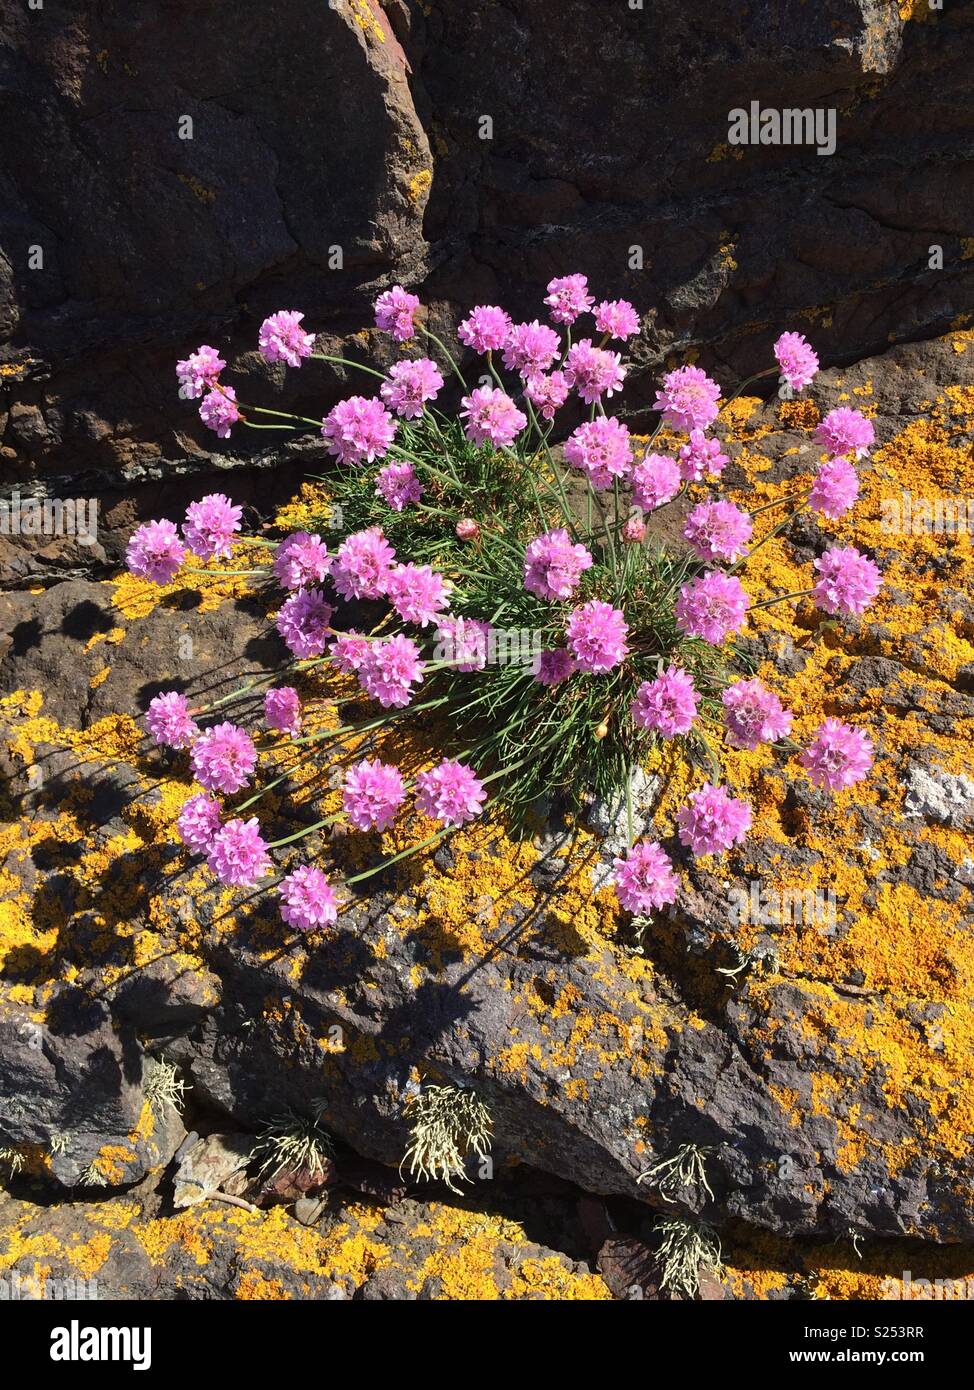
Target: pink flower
<point>413,382</point>
<point>282,709</point>
<point>701,455</point>
<point>554,667</point>
<point>398,485</point>
<point>199,371</point>
<point>655,481</point>
<point>668,703</point>
<point>304,622</point>
<point>467,529</point>
<point>394,312</point>
<point>688,399</point>
<point>491,417</point>
<point>168,720</point>
<point>282,339</point>
<point>530,348</point>
<point>238,853</point>
<point>372,795</point>
<point>597,636</point>
<point>593,372</point>
<point>712,821</point>
<point>155,552</point>
<point>844,432</point>
<point>451,793</point>
<point>835,489</point>
<point>358,430</point>
<point>417,593</point>
<point>838,756</point>
<point>633,531</point>
<point>754,715</point>
<point>464,642</point>
<point>568,297</point>
<point>644,879</point>
<point>718,531</point>
<point>797,359</point>
<point>307,899</point>
<point>301,560</point>
<point>390,670</point>
<point>485,329</point>
<point>617,317</point>
<point>601,449</point>
<point>553,566</point>
<point>363,564</point>
<point>223,758</point>
<point>198,822</point>
<point>547,393</point>
<point>218,411</point>
<point>849,581</point>
<point>349,652</point>
<point>210,526</point>
<point>712,606</point>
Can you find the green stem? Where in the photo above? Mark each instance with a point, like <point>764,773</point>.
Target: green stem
<point>347,362</point>
<point>782,598</point>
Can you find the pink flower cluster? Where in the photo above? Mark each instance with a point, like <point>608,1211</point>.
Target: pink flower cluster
<point>358,430</point>
<point>644,879</point>
<point>492,417</point>
<point>451,793</point>
<point>848,581</point>
<point>718,531</point>
<point>667,704</point>
<point>308,900</point>
<point>553,565</point>
<point>411,384</point>
<point>282,339</point>
<point>688,399</point>
<point>601,450</point>
<point>301,560</point>
<point>753,714</point>
<point>395,310</point>
<point>711,605</point>
<point>223,758</point>
<point>597,635</point>
<point>304,622</point>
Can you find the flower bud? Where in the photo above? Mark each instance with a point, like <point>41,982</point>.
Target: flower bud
<point>634,530</point>
<point>467,529</point>
<point>602,731</point>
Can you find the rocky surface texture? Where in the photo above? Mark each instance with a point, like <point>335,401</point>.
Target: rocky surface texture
<point>467,151</point>
<point>825,1082</point>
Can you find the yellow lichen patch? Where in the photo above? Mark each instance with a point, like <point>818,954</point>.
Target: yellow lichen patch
<point>760,1265</point>
<point>137,598</point>
<point>473,1261</point>
<point>419,185</point>
<point>903,949</point>
<point>113,637</point>
<point>311,508</point>
<point>253,1286</point>
<point>366,19</point>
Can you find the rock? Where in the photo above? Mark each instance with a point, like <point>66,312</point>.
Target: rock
<point>944,797</point>
<point>72,1086</point>
<point>736,242</point>
<point>213,1164</point>
<point>819,1088</point>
